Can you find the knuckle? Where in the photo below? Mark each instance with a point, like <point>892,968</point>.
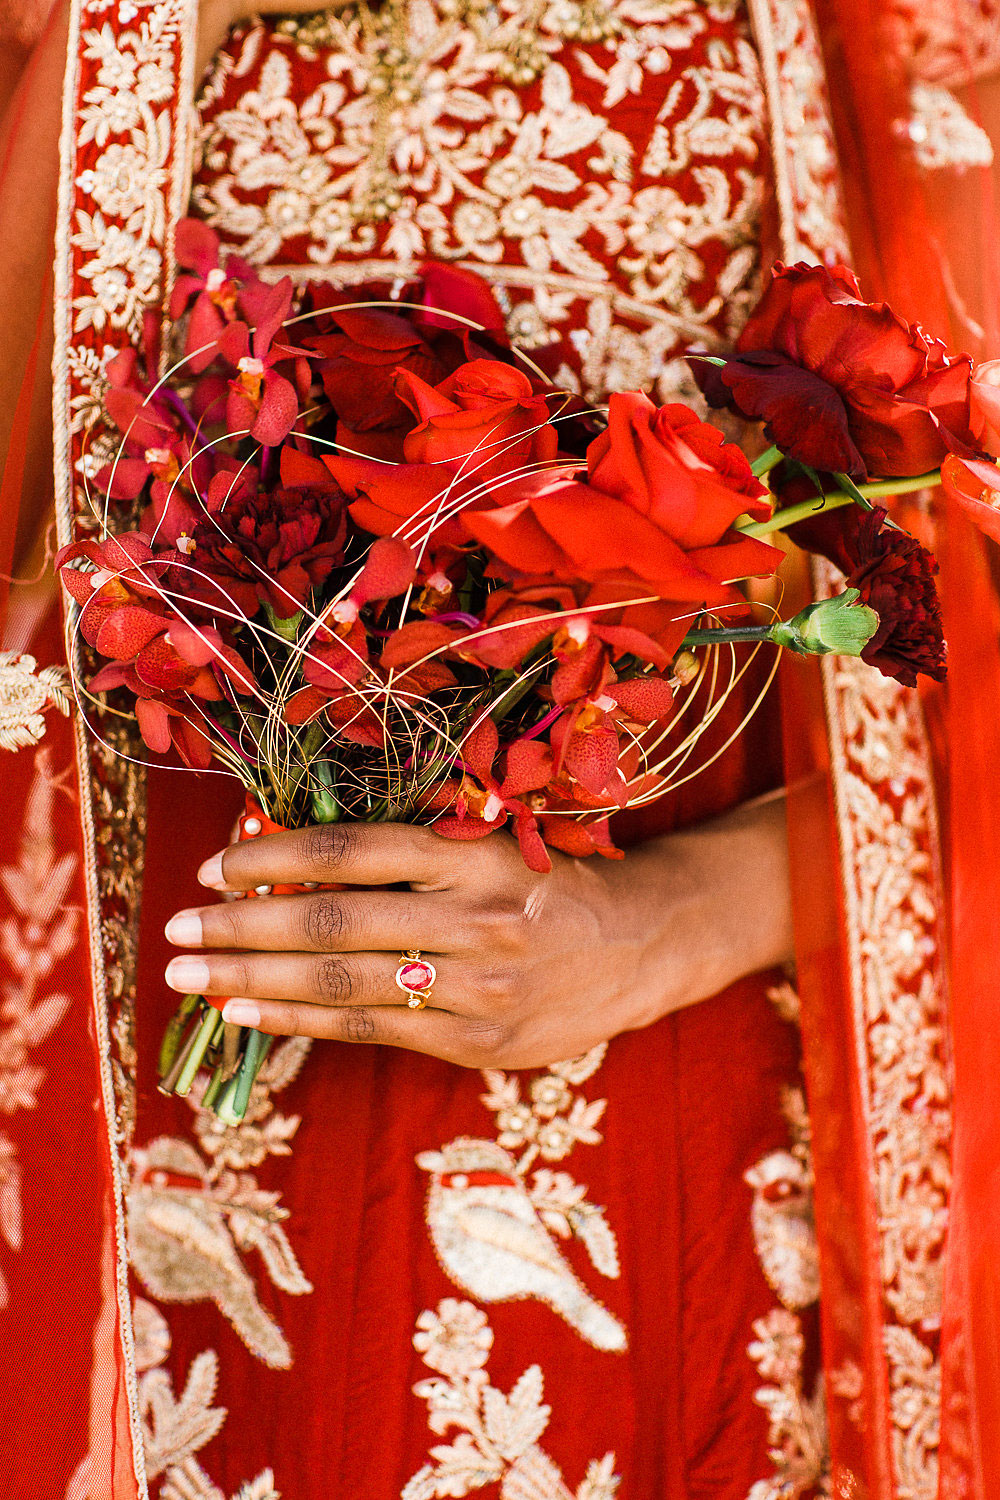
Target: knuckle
<point>334,982</point>
<point>224,927</point>
<point>498,983</point>
<point>323,920</point>
<point>358,1024</point>
<point>486,1042</point>
<point>239,977</point>
<point>500,926</point>
<point>326,846</point>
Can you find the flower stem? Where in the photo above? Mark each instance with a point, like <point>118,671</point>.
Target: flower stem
<point>816,504</point>
<point>726,634</point>
<point>231,1106</point>
<point>204,1037</point>
<point>766,461</point>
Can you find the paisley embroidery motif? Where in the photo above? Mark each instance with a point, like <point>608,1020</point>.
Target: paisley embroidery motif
<point>493,1227</point>
<point>193,1214</point>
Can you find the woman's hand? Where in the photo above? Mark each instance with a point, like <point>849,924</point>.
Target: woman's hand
<point>530,968</point>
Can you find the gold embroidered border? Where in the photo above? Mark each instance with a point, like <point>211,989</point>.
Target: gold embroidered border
<point>892,884</point>
<point>111,207</point>
<point>807,181</point>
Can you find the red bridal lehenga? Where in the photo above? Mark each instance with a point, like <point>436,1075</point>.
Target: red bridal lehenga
<point>308,1306</point>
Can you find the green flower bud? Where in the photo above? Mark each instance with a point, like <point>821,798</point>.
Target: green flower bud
<point>838,625</point>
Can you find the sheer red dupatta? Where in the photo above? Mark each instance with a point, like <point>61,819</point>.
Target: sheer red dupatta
<point>928,241</point>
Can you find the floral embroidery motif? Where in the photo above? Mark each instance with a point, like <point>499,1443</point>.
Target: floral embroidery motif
<point>176,1427</point>
<point>136,71</point>
<point>782,1216</point>
<point>785,1237</point>
<point>25,693</point>
<point>888,834</point>
<point>943,133</point>
<point>499,1434</point>
<point>194,1213</point>
<point>796,1423</point>
<point>39,931</point>
<point>493,1228</point>
<point>461,132</point>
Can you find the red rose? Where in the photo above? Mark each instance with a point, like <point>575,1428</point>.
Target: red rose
<point>484,422</point>
<point>844,385</point>
<point>653,517</point>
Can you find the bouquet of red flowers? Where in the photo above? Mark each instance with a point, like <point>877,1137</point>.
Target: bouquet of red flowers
<point>382,569</point>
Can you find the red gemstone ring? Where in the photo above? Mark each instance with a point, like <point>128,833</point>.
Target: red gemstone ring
<point>416,976</point>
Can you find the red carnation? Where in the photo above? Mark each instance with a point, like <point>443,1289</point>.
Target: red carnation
<point>844,385</point>
<point>895,576</point>
<point>266,548</point>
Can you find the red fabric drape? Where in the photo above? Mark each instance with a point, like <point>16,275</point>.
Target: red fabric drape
<point>928,241</point>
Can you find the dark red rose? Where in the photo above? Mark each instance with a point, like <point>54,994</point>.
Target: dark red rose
<point>266,548</point>
<point>842,384</point>
<point>895,576</point>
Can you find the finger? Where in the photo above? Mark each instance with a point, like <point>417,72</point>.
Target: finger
<point>434,1032</point>
<point>327,979</point>
<point>338,853</point>
<point>323,922</point>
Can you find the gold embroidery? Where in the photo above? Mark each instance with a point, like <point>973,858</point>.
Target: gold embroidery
<point>782,1220</point>
<point>796,1423</point>
<point>192,1216</point>
<point>785,1237</point>
<point>492,1228</point>
<point>422,143</point>
<point>499,1434</point>
<point>39,931</point>
<point>804,153</point>
<point>886,810</point>
<point>943,134</point>
<point>176,1427</point>
<point>25,692</point>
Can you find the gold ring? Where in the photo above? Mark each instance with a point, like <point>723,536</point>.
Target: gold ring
<point>416,977</point>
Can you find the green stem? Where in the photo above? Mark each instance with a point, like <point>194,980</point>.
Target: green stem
<point>232,1105</point>
<point>203,1039</point>
<point>725,634</point>
<point>766,461</point>
<point>816,504</point>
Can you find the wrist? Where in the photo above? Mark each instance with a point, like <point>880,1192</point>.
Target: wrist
<point>718,904</point>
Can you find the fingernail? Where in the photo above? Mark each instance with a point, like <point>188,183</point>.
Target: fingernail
<point>241,1013</point>
<point>211,872</point>
<point>184,929</point>
<point>189,975</point>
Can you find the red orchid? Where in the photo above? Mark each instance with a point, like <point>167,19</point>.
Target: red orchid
<point>215,290</point>
<point>261,401</point>
<point>483,804</point>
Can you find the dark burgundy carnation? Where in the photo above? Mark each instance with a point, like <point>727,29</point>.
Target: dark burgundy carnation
<point>895,575</point>
<point>267,548</point>
<point>842,384</point>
